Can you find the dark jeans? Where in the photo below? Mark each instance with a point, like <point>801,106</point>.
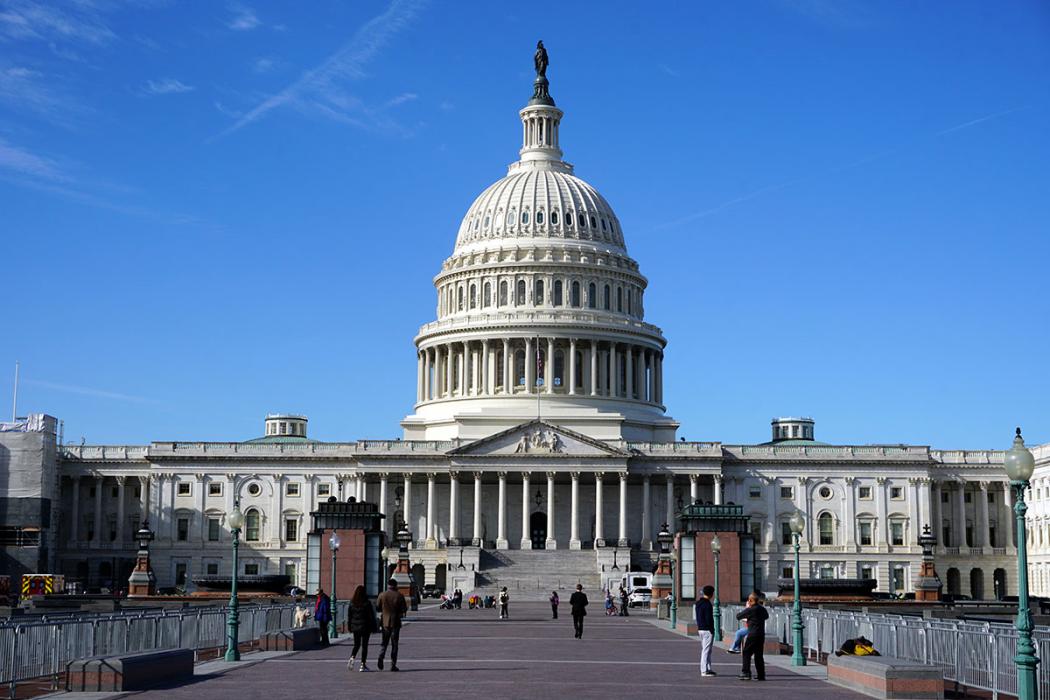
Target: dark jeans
<point>554,609</point>
<point>623,608</point>
<point>361,644</point>
<point>323,626</point>
<point>577,623</point>
<point>753,647</point>
<point>391,635</point>
<point>503,610</point>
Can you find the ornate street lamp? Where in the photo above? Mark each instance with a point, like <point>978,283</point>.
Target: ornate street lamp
<point>716,549</point>
<point>233,625</point>
<point>333,624</point>
<point>1019,465</point>
<point>666,539</point>
<point>797,524</point>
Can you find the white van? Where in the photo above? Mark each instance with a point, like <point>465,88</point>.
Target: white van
<point>636,579</point>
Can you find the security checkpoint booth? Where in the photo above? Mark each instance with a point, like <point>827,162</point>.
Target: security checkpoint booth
<point>701,524</point>
<point>355,551</point>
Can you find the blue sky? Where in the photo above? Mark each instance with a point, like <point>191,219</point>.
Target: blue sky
<point>210,211</point>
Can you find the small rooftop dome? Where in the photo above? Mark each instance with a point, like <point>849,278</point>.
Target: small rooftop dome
<point>285,425</point>
<point>788,428</point>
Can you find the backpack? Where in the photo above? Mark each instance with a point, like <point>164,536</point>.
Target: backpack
<point>503,598</point>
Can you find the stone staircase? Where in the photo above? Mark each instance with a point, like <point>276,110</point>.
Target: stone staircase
<point>531,574</point>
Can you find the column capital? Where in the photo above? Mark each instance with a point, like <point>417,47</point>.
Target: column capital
<point>121,480</point>
<point>880,480</point>
<point>501,475</point>
<point>524,475</point>
<point>575,476</point>
<point>623,476</point>
<point>913,480</point>
<point>407,476</point>
<point>850,480</point>
<point>431,476</point>
<point>983,485</point>
<point>803,480</point>
<point>230,477</point>
<point>551,475</point>
<point>598,476</point>
<point>477,476</point>
<point>384,476</point>
<point>719,478</point>
<point>278,477</point>
<point>309,477</point>
<point>693,478</point>
<point>453,475</point>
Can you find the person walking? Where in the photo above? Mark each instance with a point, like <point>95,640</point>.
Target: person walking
<point>578,605</point>
<point>323,614</point>
<point>756,617</point>
<point>705,627</point>
<point>362,625</point>
<point>392,607</point>
<point>504,601</point>
<point>554,604</point>
<point>624,602</point>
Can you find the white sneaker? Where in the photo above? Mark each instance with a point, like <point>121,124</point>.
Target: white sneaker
<point>350,664</point>
<point>363,668</point>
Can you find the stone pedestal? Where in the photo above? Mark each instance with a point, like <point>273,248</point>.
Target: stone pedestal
<point>142,582</point>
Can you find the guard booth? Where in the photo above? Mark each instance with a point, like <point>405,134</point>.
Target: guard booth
<point>358,561</point>
<point>696,561</point>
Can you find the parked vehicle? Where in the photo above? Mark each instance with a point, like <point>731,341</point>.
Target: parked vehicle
<point>637,579</point>
<point>640,597</point>
<point>430,590</point>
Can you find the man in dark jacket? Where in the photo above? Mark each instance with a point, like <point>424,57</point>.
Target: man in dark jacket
<point>705,626</point>
<point>578,603</point>
<point>392,607</point>
<point>323,614</point>
<point>756,617</point>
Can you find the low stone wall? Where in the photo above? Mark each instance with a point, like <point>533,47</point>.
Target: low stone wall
<point>121,672</point>
<point>293,639</point>
<point>886,677</point>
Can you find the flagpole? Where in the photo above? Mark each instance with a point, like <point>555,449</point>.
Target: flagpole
<point>14,399</point>
<point>538,365</point>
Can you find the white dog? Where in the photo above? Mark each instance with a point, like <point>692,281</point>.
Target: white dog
<point>301,617</point>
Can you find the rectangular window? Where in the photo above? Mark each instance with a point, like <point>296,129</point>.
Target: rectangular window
<point>827,572</point>
<point>215,488</point>
<point>688,546</point>
<point>865,534</point>
<point>183,526</point>
<point>896,492</point>
<point>324,490</point>
<point>251,569</point>
<point>756,530</point>
<point>897,533</point>
<point>967,497</point>
<point>291,489</point>
<point>291,571</point>
<point>787,572</point>
<point>786,536</point>
<point>866,572</point>
<point>898,579</point>
<point>211,568</point>
<point>754,491</point>
<point>864,493</point>
<point>291,530</point>
<point>183,488</point>
<point>787,492</point>
<point>180,574</point>
<point>213,529</point>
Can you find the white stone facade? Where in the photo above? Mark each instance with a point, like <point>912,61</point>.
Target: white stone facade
<point>540,314</point>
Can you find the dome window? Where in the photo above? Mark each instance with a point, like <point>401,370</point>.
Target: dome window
<point>603,224</point>
<point>557,293</point>
<point>539,293</point>
<point>582,220</point>
<point>605,298</point>
<point>460,299</point>
<point>574,295</point>
<point>554,218</point>
<point>520,295</point>
<point>486,297</point>
<point>510,218</point>
<point>629,295</point>
<point>594,222</point>
<point>539,217</point>
<point>477,223</point>
<point>525,217</point>
<point>592,296</point>
<point>487,222</point>
<point>619,299</point>
<point>503,293</point>
<point>473,296</point>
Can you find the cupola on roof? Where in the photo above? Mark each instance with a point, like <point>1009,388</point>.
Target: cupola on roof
<point>540,198</point>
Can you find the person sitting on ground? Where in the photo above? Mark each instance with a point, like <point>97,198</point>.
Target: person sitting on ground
<point>857,647</point>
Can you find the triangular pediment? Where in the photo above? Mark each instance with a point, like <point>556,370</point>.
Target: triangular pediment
<point>537,438</point>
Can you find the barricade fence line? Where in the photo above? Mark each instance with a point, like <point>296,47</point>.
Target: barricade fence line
<point>978,655</point>
<point>41,648</point>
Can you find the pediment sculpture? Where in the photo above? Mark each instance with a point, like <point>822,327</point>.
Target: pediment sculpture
<point>539,440</point>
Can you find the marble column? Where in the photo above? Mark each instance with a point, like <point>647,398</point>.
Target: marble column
<point>419,377</point>
<point>594,367</point>
<point>384,486</point>
<point>960,515</point>
<point>718,489</point>
<point>669,514</point>
<point>574,514</point>
<point>453,508</point>
<point>488,382</point>
<point>647,515</point>
<point>572,366</point>
<point>508,364</point>
<point>552,541</point>
<point>450,364</point>
<point>981,522</point>
<point>694,492</point>
<point>937,526</point>
<point>548,368</point>
<point>623,541</point>
<point>1011,527</point>
<point>477,541</point>
<point>599,519</point>
<point>501,520</point>
<point>74,525</point>
<point>883,538</point>
<point>526,539</point>
<point>628,362</point>
<point>924,508</point>
<point>849,520</point>
<point>120,510</point>
<point>463,376</point>
<point>431,503</point>
<point>407,506</point>
<point>530,367</point>
<point>276,506</point>
<point>614,372</point>
<point>426,375</point>
<point>99,483</point>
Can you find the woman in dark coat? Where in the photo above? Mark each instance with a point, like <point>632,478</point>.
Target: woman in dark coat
<point>362,624</point>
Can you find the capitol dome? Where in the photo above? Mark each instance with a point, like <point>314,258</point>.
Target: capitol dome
<point>540,310</point>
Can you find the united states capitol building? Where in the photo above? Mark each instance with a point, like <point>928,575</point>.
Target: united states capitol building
<point>539,424</point>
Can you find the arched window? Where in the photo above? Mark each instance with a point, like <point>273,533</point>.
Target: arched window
<point>574,295</point>
<point>459,305</point>
<point>520,300</point>
<point>524,217</point>
<point>592,296</point>
<point>473,296</point>
<point>510,217</point>
<point>629,295</point>
<point>252,525</point>
<point>487,222</point>
<point>538,298</point>
<point>486,297</point>
<point>519,367</point>
<point>557,293</point>
<point>603,224</point>
<point>539,217</point>
<point>826,528</point>
<point>559,368</point>
<point>582,220</point>
<point>619,299</point>
<point>554,218</point>
<point>594,222</point>
<point>606,298</point>
<point>503,293</point>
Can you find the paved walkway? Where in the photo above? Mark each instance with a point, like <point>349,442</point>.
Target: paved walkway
<point>447,654</point>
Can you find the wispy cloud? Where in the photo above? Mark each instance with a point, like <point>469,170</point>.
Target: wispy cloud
<point>263,64</point>
<point>824,173</point>
<point>669,70</point>
<point>51,21</point>
<point>319,90</point>
<point>167,86</point>
<point>400,99</point>
<point>22,162</point>
<point>244,18</point>
<point>89,391</point>
<point>24,89</point>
